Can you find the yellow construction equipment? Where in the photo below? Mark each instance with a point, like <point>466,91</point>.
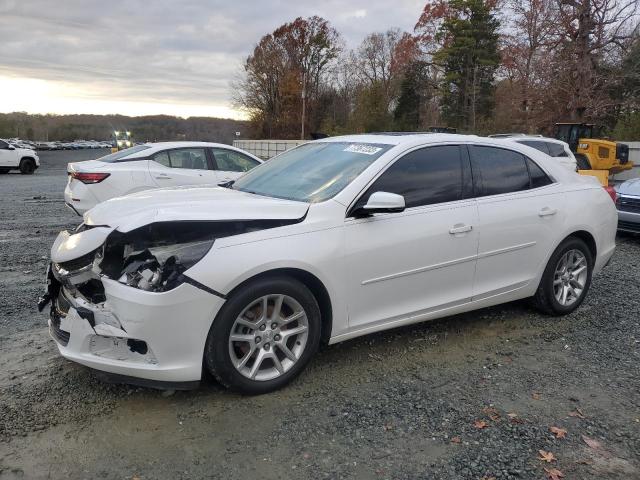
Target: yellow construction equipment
<point>121,140</point>
<point>597,157</point>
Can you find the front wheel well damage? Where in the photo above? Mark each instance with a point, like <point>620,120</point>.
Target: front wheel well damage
<point>313,283</point>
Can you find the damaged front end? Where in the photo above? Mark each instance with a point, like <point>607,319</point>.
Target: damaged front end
<point>152,258</point>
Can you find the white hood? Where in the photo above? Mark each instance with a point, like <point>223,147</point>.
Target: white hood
<point>190,203</point>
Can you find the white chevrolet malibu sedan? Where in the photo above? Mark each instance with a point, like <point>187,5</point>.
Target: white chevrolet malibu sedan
<point>153,165</point>
<point>334,239</point>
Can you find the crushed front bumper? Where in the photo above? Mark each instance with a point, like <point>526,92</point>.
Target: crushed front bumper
<point>158,337</point>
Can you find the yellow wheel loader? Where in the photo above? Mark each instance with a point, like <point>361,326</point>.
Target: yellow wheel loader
<point>595,156</point>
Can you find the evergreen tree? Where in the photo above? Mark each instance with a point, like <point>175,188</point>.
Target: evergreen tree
<point>412,90</point>
<point>469,58</point>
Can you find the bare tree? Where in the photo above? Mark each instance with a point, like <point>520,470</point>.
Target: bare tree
<point>525,52</point>
<point>588,31</point>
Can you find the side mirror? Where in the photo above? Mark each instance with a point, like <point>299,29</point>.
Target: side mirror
<point>381,202</point>
<point>11,147</point>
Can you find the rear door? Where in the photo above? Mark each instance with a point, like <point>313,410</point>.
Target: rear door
<point>182,166</point>
<point>230,164</point>
<point>520,212</point>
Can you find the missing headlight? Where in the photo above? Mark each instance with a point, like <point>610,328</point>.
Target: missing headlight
<point>153,257</point>
<point>159,268</point>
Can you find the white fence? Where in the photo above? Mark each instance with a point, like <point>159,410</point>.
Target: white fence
<point>265,149</point>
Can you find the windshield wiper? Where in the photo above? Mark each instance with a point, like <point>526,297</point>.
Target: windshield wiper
<point>228,184</point>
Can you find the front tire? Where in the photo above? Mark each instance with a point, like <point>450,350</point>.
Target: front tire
<point>566,279</point>
<point>264,335</point>
<point>27,166</point>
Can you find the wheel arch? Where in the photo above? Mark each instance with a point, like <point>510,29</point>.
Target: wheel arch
<point>313,283</point>
<point>587,238</point>
<point>579,232</point>
<point>22,159</point>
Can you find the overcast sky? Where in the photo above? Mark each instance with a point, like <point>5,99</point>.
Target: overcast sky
<point>155,56</point>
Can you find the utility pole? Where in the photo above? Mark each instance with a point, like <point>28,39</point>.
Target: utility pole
<point>303,105</point>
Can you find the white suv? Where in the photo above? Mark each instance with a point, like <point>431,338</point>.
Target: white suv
<point>554,148</point>
<point>12,158</point>
<point>153,165</point>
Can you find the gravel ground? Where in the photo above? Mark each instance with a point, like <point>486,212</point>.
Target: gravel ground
<point>467,397</point>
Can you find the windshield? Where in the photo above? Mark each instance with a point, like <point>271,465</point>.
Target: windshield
<point>313,172</point>
<point>114,157</point>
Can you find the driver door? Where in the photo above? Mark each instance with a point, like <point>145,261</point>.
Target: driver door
<point>422,259</point>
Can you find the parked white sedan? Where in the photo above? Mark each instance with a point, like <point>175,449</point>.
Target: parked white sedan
<point>328,241</point>
<point>153,165</point>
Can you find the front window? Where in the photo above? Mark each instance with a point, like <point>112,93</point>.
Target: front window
<point>232,161</point>
<point>313,172</point>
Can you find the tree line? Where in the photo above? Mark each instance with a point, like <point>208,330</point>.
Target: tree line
<point>481,66</point>
<point>101,127</point>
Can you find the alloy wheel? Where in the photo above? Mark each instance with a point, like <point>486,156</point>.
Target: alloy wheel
<point>570,277</point>
<point>268,337</point>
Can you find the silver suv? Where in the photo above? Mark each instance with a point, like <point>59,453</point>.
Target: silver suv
<point>628,205</point>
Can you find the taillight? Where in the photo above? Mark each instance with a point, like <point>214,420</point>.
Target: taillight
<point>85,177</point>
<point>612,193</point>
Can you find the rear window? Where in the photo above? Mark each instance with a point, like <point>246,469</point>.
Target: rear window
<point>556,150</point>
<point>122,154</point>
<point>542,146</point>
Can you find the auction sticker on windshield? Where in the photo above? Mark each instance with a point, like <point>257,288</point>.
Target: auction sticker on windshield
<point>362,148</point>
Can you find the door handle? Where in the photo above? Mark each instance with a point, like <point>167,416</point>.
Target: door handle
<point>546,211</point>
<point>460,228</point>
<point>163,177</point>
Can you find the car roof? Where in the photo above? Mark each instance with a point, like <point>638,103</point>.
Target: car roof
<point>534,139</point>
<point>411,139</point>
<point>402,138</point>
<point>155,147</point>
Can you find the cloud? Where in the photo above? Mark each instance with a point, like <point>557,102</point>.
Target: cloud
<point>162,51</point>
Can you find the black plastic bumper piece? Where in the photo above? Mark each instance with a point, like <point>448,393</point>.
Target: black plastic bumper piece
<point>57,333</point>
<point>116,378</point>
<point>631,227</point>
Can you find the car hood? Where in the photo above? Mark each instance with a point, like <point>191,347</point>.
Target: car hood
<point>630,187</point>
<point>190,203</point>
<point>26,151</point>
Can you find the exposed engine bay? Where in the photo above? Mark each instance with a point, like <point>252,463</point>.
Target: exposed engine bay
<point>151,258</point>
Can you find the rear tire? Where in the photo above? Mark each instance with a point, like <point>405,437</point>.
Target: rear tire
<point>583,162</point>
<point>27,166</point>
<point>251,352</point>
<point>565,282</point>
